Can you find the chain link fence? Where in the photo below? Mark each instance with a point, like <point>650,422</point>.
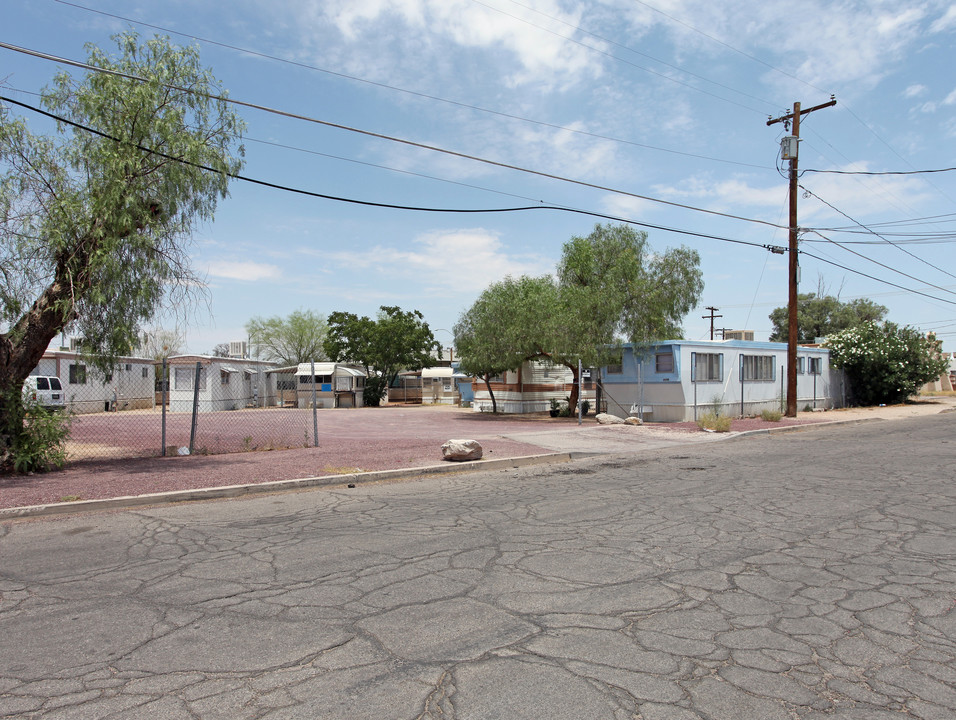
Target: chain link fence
<point>195,405</point>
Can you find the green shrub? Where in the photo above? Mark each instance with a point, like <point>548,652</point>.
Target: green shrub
<point>712,421</point>
<point>771,415</point>
<point>375,391</point>
<point>885,363</point>
<point>42,444</point>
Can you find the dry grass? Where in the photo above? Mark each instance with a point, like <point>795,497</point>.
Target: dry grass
<point>712,421</point>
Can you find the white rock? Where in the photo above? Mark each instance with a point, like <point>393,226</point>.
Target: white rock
<point>461,450</point>
<point>633,421</point>
<point>608,419</point>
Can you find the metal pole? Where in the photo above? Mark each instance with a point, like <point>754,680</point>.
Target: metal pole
<point>192,430</point>
<point>695,400</point>
<point>640,376</point>
<point>814,391</point>
<point>580,391</point>
<point>315,412</point>
<point>163,396</point>
<point>741,385</point>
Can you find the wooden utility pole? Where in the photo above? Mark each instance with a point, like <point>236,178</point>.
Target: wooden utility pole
<point>711,316</point>
<point>794,117</point>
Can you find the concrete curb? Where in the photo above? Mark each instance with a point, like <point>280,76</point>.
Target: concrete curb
<point>803,428</point>
<point>234,491</point>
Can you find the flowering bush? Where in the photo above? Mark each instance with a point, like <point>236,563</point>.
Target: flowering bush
<point>885,363</point>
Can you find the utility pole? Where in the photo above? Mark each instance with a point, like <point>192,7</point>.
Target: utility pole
<point>791,150</point>
<point>711,316</point>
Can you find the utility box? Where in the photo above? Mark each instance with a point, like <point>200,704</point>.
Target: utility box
<point>788,147</point>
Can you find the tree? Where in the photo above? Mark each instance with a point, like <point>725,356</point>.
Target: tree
<point>885,363</point>
<point>821,315</point>
<point>95,222</point>
<point>296,339</point>
<point>220,350</point>
<point>394,341</point>
<point>613,287</point>
<point>507,324</point>
<point>160,343</point>
<point>610,288</point>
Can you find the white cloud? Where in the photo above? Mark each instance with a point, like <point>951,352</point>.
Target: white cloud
<point>723,194</point>
<point>946,22</point>
<point>630,208</point>
<point>950,99</point>
<point>528,41</point>
<point>914,91</point>
<point>447,262</point>
<point>239,270</point>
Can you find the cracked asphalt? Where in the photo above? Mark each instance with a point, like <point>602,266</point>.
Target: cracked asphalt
<point>807,575</point>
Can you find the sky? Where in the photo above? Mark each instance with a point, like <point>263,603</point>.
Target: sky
<point>650,112</point>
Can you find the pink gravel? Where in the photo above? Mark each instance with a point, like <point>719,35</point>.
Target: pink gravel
<point>366,439</point>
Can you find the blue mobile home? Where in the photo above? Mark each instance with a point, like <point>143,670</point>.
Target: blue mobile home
<point>676,380</point>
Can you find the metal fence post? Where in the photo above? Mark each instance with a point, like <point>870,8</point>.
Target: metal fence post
<point>192,430</point>
<point>315,412</point>
<point>640,374</point>
<point>163,397</point>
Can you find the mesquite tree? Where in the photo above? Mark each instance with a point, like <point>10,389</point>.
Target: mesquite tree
<point>95,220</point>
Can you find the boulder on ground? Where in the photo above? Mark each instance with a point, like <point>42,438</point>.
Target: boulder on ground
<point>633,421</point>
<point>608,419</point>
<point>460,450</point>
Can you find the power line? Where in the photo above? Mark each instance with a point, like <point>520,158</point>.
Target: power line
<point>614,57</point>
<point>415,93</point>
<point>829,205</point>
<point>636,52</point>
<point>880,280</point>
<point>390,138</point>
<point>390,206</point>
<point>884,172</point>
<point>453,210</point>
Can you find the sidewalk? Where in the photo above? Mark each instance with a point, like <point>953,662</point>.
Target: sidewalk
<point>412,448</point>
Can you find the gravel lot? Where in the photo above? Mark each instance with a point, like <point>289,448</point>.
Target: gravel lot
<point>364,439</point>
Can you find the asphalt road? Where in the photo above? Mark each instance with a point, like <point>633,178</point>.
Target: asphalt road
<point>808,575</point>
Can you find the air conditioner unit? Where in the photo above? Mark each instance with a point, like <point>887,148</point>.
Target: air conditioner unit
<point>238,349</point>
<point>739,335</point>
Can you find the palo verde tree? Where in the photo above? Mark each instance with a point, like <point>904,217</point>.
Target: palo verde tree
<point>396,340</point>
<point>289,341</point>
<point>95,220</point>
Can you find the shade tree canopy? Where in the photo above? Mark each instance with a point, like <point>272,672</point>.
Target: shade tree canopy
<point>298,338</point>
<point>394,341</point>
<point>610,287</point>
<point>96,218</point>
<point>820,315</point>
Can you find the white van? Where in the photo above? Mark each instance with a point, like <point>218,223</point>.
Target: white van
<point>45,390</point>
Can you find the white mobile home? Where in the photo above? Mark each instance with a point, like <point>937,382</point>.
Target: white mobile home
<point>674,381</point>
<point>334,385</point>
<point>530,388</point>
<point>87,390</point>
<point>224,383</point>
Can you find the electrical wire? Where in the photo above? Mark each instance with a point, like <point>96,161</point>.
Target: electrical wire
<point>884,172</point>
<point>615,57</point>
<point>390,138</point>
<point>452,210</point>
<point>390,206</point>
<point>609,41</point>
<point>835,209</point>
<point>415,93</point>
